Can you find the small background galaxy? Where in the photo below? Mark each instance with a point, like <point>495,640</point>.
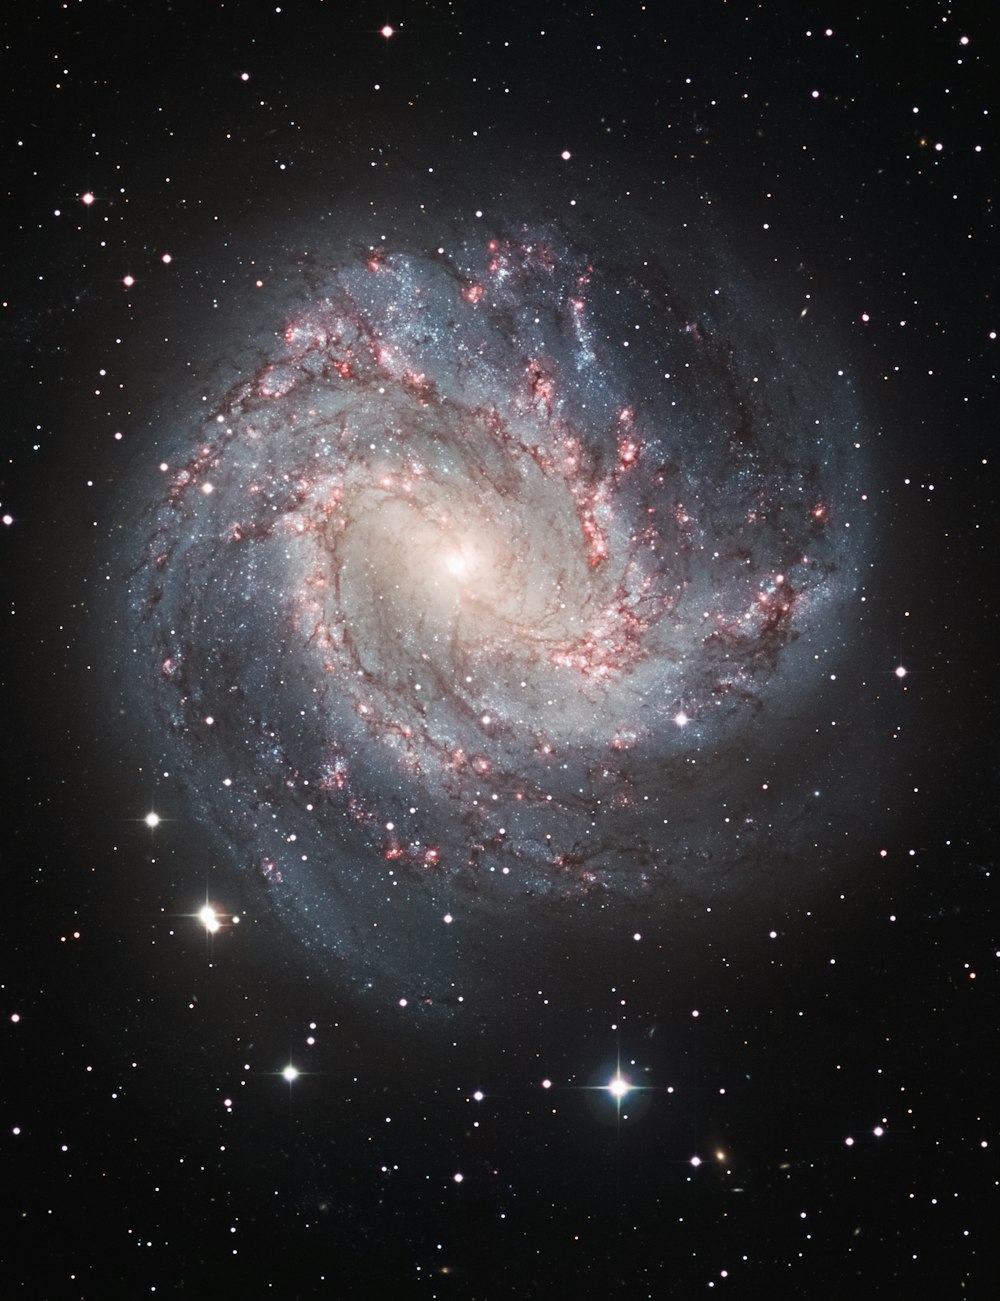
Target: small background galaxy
<point>498,523</point>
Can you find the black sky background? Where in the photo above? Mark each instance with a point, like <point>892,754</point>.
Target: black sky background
<point>126,1172</point>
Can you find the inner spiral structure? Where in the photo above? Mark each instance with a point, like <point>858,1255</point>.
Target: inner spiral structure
<point>486,573</point>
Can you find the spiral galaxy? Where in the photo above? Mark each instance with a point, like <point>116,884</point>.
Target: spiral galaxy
<point>495,592</point>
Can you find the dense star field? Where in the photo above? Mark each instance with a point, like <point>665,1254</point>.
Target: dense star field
<point>495,580</point>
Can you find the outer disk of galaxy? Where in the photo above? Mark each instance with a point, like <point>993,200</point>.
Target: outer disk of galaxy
<point>493,598</point>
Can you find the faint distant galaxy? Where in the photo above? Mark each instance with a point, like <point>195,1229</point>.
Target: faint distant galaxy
<point>496,595</point>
